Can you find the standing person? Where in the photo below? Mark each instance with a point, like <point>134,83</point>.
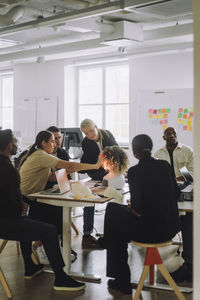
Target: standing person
<point>94,142</point>
<point>179,155</point>
<point>151,217</point>
<point>35,172</point>
<point>15,227</point>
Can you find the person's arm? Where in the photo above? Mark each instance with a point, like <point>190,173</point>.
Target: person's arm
<point>76,167</point>
<point>190,165</point>
<point>135,193</point>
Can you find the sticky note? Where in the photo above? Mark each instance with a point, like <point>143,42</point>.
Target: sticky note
<point>185,111</point>
<point>191,114</point>
<point>164,127</point>
<point>150,111</point>
<point>184,128</point>
<point>180,110</point>
<point>179,121</point>
<point>150,116</point>
<point>165,116</point>
<point>155,111</point>
<point>156,116</point>
<point>189,123</point>
<point>184,122</point>
<point>168,110</point>
<point>161,116</point>
<point>164,110</point>
<point>184,116</point>
<point>190,128</point>
<point>191,109</point>
<point>165,121</point>
<point>179,115</point>
<point>161,122</point>
<point>160,111</point>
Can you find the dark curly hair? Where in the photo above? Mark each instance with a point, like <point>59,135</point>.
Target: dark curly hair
<point>115,159</point>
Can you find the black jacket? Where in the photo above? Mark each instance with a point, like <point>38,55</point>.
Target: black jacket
<point>10,194</point>
<point>154,195</point>
<point>91,152</point>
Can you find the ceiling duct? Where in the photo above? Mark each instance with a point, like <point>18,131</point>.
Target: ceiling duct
<point>125,34</point>
<point>160,8</point>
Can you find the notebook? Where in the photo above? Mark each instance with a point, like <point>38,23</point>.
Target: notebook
<point>63,184</point>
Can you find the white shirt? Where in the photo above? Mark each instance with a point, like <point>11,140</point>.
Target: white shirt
<point>182,156</point>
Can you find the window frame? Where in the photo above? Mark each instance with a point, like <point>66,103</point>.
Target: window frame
<point>104,103</point>
<point>2,106</point>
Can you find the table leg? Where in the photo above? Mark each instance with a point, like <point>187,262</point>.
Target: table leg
<point>67,248</point>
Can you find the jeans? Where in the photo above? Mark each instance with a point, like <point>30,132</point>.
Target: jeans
<point>88,219</point>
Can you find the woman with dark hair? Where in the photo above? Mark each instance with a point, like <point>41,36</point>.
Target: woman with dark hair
<point>35,172</point>
<point>151,217</point>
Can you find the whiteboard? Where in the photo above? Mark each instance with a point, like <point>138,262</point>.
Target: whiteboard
<point>25,121</point>
<point>159,109</point>
<point>46,113</point>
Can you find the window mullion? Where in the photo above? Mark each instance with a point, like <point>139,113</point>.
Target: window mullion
<point>104,97</point>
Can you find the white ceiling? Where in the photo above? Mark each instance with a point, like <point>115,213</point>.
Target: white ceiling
<point>56,29</point>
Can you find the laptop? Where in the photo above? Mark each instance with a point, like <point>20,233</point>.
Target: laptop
<point>63,184</point>
<point>187,187</point>
<point>186,175</point>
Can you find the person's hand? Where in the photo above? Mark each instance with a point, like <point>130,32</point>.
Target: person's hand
<point>99,162</point>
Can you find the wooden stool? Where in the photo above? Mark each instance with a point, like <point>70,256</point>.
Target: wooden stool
<point>2,277</point>
<point>153,258</point>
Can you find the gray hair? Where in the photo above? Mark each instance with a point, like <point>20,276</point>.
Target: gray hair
<point>87,123</point>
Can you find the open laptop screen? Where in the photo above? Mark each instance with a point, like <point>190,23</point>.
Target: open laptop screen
<point>186,175</point>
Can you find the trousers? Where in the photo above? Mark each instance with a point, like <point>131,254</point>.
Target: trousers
<point>26,230</point>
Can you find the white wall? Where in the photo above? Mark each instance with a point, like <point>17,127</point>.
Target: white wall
<point>39,80</point>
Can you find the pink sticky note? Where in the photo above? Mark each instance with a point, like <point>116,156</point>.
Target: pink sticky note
<point>184,127</point>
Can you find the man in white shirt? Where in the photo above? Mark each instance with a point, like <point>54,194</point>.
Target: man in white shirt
<point>178,156</point>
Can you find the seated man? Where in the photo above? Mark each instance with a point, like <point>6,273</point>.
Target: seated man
<point>179,155</point>
<point>15,227</point>
<point>152,216</point>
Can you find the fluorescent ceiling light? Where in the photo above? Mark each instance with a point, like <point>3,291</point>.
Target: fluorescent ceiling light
<point>7,43</point>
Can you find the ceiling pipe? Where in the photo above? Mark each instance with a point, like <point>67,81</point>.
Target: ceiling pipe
<point>76,4</point>
<point>19,11</point>
<point>74,15</point>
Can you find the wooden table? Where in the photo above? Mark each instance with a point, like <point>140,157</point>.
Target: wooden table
<point>68,202</point>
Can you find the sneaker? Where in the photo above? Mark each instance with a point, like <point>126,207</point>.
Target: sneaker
<point>123,288</point>
<point>89,242</point>
<point>182,274</point>
<point>68,284</point>
<point>41,255</point>
<point>34,271</point>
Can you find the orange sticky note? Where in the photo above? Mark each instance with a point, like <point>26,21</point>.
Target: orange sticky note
<point>165,116</point>
<point>184,116</point>
<point>179,121</point>
<point>164,127</point>
<point>190,128</point>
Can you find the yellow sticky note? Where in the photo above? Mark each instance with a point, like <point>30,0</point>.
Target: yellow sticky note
<point>164,127</point>
<point>156,116</point>
<point>189,123</point>
<point>150,116</point>
<point>179,121</point>
<point>190,128</point>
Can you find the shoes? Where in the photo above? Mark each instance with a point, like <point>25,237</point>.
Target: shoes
<point>125,288</point>
<point>182,274</point>
<point>68,284</point>
<point>41,256</point>
<point>34,271</point>
<point>89,242</point>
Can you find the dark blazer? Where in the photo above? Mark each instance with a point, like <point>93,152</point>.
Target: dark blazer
<point>91,152</point>
<point>10,194</point>
<point>154,195</point>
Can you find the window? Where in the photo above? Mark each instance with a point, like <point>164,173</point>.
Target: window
<point>103,96</point>
<point>6,102</point>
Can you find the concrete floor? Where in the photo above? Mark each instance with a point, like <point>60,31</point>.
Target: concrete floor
<point>93,262</point>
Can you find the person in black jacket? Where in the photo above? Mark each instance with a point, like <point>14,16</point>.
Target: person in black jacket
<point>15,227</point>
<point>95,140</point>
<point>151,217</point>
